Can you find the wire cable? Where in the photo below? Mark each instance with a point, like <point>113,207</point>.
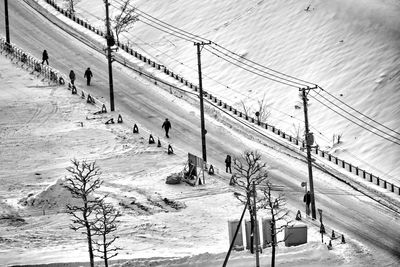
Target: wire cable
<point>355,122</point>
<point>357,110</point>
<point>372,126</point>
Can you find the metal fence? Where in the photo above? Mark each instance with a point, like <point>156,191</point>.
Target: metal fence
<point>30,62</point>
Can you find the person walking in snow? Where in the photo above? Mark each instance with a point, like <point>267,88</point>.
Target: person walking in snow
<point>88,75</point>
<point>72,76</point>
<point>166,125</point>
<point>45,57</point>
<point>307,200</point>
<point>228,162</point>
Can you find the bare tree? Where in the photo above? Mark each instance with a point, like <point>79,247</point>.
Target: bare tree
<point>125,19</point>
<point>278,212</point>
<point>248,169</point>
<point>71,5</point>
<point>82,182</point>
<point>263,110</point>
<point>105,223</point>
<point>246,109</point>
<point>297,129</point>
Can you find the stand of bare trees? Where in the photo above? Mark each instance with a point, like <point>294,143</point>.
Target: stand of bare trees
<point>248,168</point>
<point>279,214</point>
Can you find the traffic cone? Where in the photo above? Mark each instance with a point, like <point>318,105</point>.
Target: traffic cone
<point>103,109</point>
<point>298,215</point>
<point>151,139</point>
<point>74,91</point>
<point>135,129</point>
<point>330,245</point>
<point>211,170</point>
<point>158,143</point>
<point>110,121</point>
<point>119,118</point>
<point>83,95</point>
<point>170,150</point>
<point>90,99</point>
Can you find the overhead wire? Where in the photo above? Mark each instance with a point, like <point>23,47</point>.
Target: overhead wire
<point>354,121</point>
<point>345,111</point>
<point>358,111</point>
<point>290,80</point>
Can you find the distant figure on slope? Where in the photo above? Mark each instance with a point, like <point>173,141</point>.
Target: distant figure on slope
<point>166,125</point>
<point>45,57</point>
<point>88,75</point>
<point>72,76</point>
<point>228,162</point>
<point>307,200</point>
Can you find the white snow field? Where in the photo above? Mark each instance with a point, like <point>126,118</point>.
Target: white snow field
<point>35,230</point>
<point>350,48</point>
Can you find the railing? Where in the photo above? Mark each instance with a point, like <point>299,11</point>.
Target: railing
<point>30,61</point>
<point>297,141</point>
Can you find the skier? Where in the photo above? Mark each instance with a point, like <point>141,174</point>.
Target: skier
<point>166,125</point>
<point>307,200</point>
<point>72,76</point>
<point>228,163</point>
<point>88,75</point>
<point>45,57</point>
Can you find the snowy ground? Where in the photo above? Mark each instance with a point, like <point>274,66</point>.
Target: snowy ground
<point>350,48</point>
<point>36,117</point>
<point>34,229</point>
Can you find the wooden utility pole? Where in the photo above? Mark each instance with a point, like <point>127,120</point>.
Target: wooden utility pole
<point>256,235</point>
<point>309,141</point>
<point>110,43</point>
<point>203,129</point>
<point>7,24</point>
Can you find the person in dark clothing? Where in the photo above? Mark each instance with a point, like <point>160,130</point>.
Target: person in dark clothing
<point>88,75</point>
<point>166,125</point>
<point>307,200</point>
<point>72,76</point>
<point>45,57</point>
<point>228,162</point>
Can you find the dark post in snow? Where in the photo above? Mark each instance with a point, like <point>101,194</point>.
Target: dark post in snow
<point>203,130</point>
<point>309,141</point>
<point>7,24</point>
<point>110,42</point>
<point>256,235</point>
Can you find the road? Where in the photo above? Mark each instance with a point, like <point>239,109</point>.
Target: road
<point>344,208</point>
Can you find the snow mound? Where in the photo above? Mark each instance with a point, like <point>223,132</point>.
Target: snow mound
<point>55,196</point>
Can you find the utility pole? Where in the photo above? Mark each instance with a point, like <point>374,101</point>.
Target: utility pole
<point>110,43</point>
<point>203,129</point>
<point>7,24</point>
<point>309,141</point>
<point>256,236</point>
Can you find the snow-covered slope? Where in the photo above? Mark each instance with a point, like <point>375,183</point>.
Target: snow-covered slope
<point>349,48</point>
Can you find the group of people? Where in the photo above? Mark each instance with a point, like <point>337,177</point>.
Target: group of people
<point>88,73</point>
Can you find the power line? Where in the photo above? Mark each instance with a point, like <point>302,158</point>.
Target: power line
<point>260,70</point>
<point>172,30</point>
<point>355,122</point>
<point>291,85</point>
<point>258,64</point>
<point>357,111</point>
<point>372,126</point>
